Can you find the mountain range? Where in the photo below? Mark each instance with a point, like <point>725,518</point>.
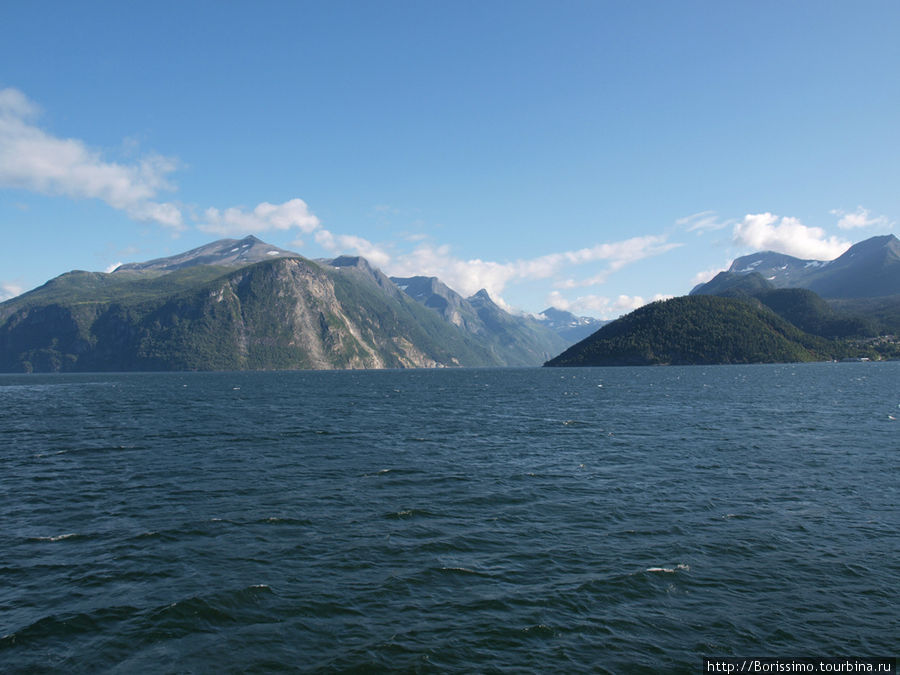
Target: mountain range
<point>868,269</point>
<point>767,307</point>
<point>244,304</point>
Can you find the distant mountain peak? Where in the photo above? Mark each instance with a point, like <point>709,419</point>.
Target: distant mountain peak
<point>870,268</point>
<point>350,261</point>
<point>223,252</point>
<point>556,313</point>
<point>569,326</point>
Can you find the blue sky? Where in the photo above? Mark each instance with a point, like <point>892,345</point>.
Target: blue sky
<point>591,155</point>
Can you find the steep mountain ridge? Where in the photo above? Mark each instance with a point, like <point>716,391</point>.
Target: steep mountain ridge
<point>568,326</point>
<point>222,253</point>
<point>870,268</point>
<point>436,295</point>
<point>801,306</point>
<point>243,304</point>
<point>525,339</point>
<point>285,313</point>
<point>513,340</point>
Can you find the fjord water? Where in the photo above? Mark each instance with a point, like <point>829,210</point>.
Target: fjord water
<point>533,520</point>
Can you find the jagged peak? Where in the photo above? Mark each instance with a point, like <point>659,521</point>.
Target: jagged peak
<point>887,242</point>
<point>556,312</point>
<point>420,284</point>
<point>418,278</point>
<point>350,261</point>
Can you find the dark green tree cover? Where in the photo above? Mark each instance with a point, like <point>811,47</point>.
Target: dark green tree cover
<point>812,314</point>
<point>884,312</point>
<point>800,306</point>
<point>733,284</point>
<point>697,330</point>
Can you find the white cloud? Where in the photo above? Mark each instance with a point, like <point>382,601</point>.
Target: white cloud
<point>707,275</point>
<point>601,306</point>
<point>583,283</point>
<point>470,276</point>
<point>9,290</point>
<point>768,232</point>
<point>705,221</point>
<point>32,159</point>
<point>348,243</point>
<point>265,217</point>
<point>13,102</point>
<point>860,218</point>
<point>465,276</point>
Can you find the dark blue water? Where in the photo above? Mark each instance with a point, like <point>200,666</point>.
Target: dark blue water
<point>555,520</point>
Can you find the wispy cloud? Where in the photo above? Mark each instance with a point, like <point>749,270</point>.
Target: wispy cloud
<point>9,290</point>
<point>348,243</point>
<point>33,159</point>
<point>265,217</point>
<point>705,221</point>
<point>602,306</point>
<point>768,232</point>
<point>860,218</point>
<point>707,275</point>
<point>469,276</point>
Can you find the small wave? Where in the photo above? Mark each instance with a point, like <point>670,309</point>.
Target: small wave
<point>540,629</point>
<point>669,570</point>
<point>89,449</point>
<point>453,569</point>
<point>407,513</point>
<point>205,612</point>
<point>380,472</point>
<point>285,520</point>
<point>58,537</point>
<point>68,625</point>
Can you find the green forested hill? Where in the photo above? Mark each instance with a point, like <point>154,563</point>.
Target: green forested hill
<point>697,330</point>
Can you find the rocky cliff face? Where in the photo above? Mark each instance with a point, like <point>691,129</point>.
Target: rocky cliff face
<point>513,340</point>
<point>284,313</point>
